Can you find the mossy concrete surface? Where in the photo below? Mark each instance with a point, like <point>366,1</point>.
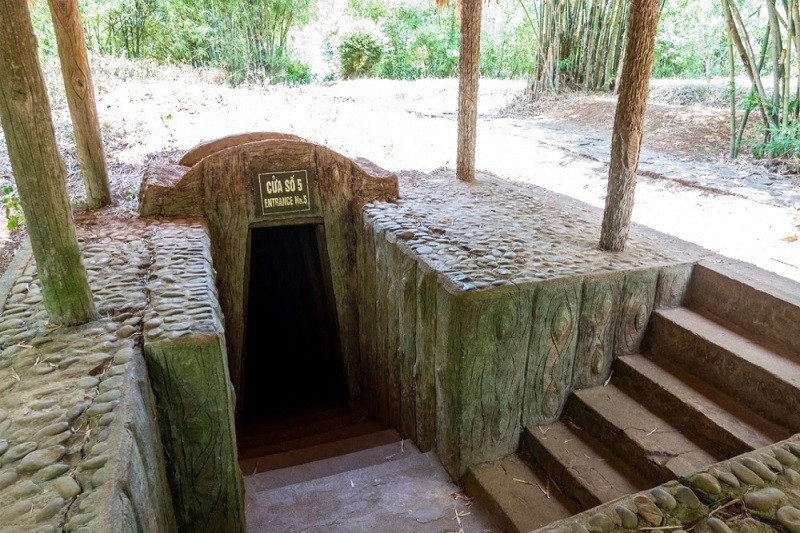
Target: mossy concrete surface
<point>757,491</point>
<point>80,449</point>
<point>184,344</point>
<point>483,305</point>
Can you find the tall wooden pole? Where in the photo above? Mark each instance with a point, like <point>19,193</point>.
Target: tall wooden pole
<point>39,172</point>
<point>626,141</point>
<point>468,74</point>
<point>80,97</point>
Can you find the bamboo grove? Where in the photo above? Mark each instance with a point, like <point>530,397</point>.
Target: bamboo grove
<point>770,62</point>
<point>579,44</point>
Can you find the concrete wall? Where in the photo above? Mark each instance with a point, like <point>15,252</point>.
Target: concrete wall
<point>184,345</point>
<point>463,371</point>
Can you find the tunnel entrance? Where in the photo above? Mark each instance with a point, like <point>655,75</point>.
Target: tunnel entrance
<point>292,363</point>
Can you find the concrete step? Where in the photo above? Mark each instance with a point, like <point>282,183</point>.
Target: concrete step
<point>518,495</point>
<point>688,402</point>
<point>371,437</point>
<point>745,367</point>
<point>585,469</point>
<point>310,438</point>
<point>649,444</point>
<point>298,425</point>
<point>327,467</point>
<point>751,298</point>
<point>412,494</point>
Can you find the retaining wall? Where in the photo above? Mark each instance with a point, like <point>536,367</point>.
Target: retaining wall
<point>476,321</point>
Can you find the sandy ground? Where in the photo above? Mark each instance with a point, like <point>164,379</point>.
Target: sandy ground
<point>149,114</point>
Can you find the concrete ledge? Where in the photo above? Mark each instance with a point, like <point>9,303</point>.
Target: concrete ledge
<point>15,269</point>
<point>757,491</point>
<point>184,344</point>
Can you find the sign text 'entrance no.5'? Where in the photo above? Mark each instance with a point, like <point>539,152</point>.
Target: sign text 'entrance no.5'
<point>284,192</point>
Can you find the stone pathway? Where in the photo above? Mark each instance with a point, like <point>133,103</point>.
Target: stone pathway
<point>744,180</point>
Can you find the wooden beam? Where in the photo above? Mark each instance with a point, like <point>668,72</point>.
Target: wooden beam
<point>468,74</point>
<point>39,171</point>
<point>626,141</point>
<point>80,97</point>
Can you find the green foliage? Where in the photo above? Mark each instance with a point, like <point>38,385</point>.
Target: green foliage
<point>691,40</point>
<point>12,209</point>
<point>247,38</point>
<point>422,42</point>
<point>123,27</point>
<point>43,27</point>
<point>359,53</point>
<point>252,39</point>
<point>783,142</point>
<point>296,72</point>
<point>692,37</point>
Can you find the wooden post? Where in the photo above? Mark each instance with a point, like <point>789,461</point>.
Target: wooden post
<point>80,97</point>
<point>39,172</point>
<point>628,123</point>
<point>468,73</point>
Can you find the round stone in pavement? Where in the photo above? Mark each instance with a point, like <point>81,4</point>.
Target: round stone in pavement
<point>784,456</point>
<point>718,526</point>
<point>687,497</point>
<point>706,483</point>
<point>18,451</point>
<point>600,523</point>
<point>50,510</point>
<point>67,487</point>
<point>7,478</point>
<point>663,499</point>
<point>746,475</point>
<point>16,509</point>
<point>39,459</point>
<point>628,517</point>
<point>789,517</point>
<point>764,500</point>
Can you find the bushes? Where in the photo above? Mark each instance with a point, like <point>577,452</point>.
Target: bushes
<point>783,142</point>
<point>258,40</point>
<point>249,39</point>
<point>360,51</point>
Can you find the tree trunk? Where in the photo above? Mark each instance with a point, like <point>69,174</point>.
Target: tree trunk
<point>732,85</point>
<point>39,172</point>
<point>80,97</point>
<point>628,123</point>
<point>777,67</point>
<point>742,42</point>
<point>468,73</point>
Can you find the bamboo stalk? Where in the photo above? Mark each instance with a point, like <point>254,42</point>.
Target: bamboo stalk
<point>732,84</point>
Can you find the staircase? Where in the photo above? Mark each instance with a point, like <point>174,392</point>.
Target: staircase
<point>714,379</point>
<point>336,470</point>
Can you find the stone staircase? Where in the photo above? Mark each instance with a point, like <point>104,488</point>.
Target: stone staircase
<point>338,470</point>
<point>714,379</point>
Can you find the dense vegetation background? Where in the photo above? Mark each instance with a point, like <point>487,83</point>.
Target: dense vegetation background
<point>555,44</point>
<point>301,41</point>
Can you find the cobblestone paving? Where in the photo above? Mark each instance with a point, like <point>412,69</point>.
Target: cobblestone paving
<point>59,388</point>
<point>758,491</point>
<point>492,232</point>
<point>182,303</point>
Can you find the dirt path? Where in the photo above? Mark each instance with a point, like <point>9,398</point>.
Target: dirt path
<point>737,210</point>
